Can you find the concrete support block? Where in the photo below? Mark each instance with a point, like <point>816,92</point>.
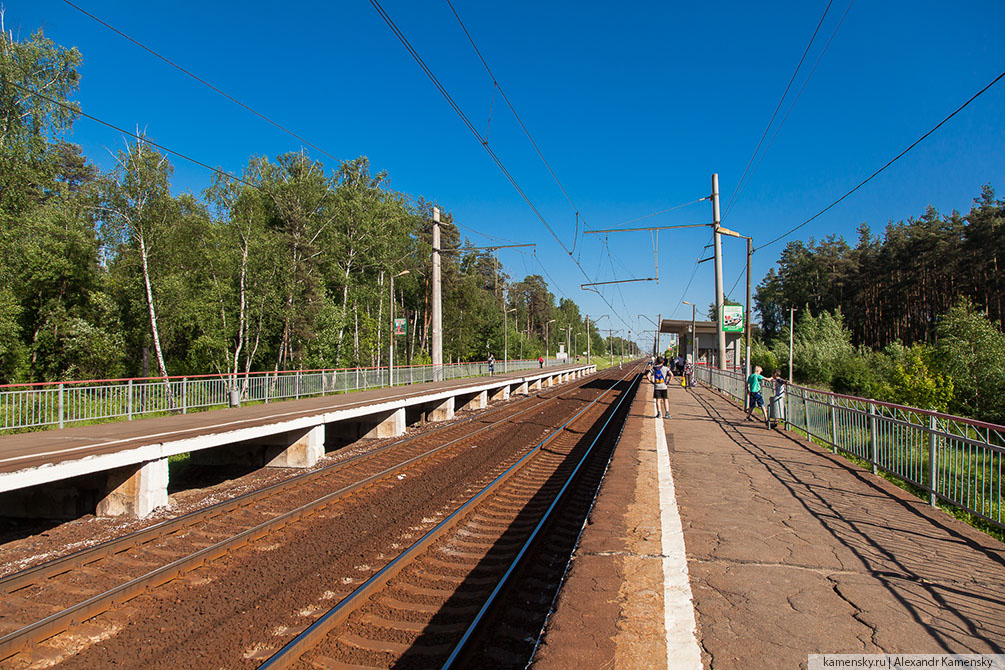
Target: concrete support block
<point>550,381</point>
<point>296,449</point>
<point>135,490</point>
<point>477,401</point>
<point>501,393</point>
<point>441,411</point>
<point>392,425</point>
<point>521,389</point>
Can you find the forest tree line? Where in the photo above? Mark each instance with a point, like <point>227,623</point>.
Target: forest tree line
<point>286,265</point>
<point>914,316</point>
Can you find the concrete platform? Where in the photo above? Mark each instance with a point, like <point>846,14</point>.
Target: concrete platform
<point>772,549</point>
<point>122,466</point>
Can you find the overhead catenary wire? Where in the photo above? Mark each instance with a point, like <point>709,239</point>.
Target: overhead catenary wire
<point>689,281</point>
<point>792,106</point>
<point>495,83</point>
<point>202,81</point>
<point>888,164</point>
<point>664,211</point>
<point>775,113</point>
<point>474,131</point>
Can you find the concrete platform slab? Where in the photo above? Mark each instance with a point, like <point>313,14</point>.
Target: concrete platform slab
<point>790,551</point>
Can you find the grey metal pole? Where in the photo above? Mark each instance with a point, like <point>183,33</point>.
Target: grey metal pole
<point>792,312</point>
<point>719,299</point>
<point>694,340</point>
<point>390,346</point>
<point>437,301</point>
<point>656,335</point>
<point>587,339</point>
<point>505,334</point>
<point>750,252</point>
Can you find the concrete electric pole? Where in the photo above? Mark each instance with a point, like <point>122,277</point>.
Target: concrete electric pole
<point>719,299</point>
<point>437,301</point>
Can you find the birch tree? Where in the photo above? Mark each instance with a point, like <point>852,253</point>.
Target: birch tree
<point>137,213</point>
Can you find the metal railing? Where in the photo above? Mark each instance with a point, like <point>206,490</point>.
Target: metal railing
<point>29,406</point>
<point>954,459</point>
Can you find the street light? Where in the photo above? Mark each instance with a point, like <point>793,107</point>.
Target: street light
<point>390,348</point>
<point>546,350</point>
<point>506,338</point>
<point>694,334</point>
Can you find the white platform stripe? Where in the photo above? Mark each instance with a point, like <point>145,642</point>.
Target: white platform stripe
<point>682,645</point>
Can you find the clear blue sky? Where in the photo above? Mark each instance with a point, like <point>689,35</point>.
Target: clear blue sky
<point>634,107</point>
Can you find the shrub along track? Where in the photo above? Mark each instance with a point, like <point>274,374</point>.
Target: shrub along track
<point>222,587</point>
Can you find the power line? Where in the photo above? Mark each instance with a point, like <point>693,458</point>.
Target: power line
<point>474,131</point>
<point>888,164</point>
<point>779,106</point>
<point>664,211</point>
<point>202,81</point>
<point>792,106</point>
<point>495,82</point>
<point>486,235</point>
<point>141,138</point>
<point>693,273</point>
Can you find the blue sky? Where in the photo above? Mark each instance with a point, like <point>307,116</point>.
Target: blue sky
<point>634,107</point>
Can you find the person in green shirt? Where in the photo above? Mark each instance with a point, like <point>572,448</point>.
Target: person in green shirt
<point>754,397</point>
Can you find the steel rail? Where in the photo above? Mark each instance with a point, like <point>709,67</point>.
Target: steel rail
<point>20,579</point>
<point>459,647</point>
<point>18,640</point>
<point>338,614</point>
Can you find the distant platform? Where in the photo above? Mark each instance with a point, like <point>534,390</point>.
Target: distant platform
<point>122,467</point>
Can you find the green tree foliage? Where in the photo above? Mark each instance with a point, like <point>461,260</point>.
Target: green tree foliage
<point>911,380</point>
<point>971,351</point>
<point>820,343</point>
<point>893,289</point>
<point>287,267</point>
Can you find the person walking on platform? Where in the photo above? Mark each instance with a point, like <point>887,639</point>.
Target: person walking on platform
<point>778,399</point>
<point>754,398</point>
<point>540,361</point>
<point>661,376</point>
<point>688,375</point>
<point>492,364</point>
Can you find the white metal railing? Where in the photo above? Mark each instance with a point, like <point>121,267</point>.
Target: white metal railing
<point>957,460</point>
<point>28,406</point>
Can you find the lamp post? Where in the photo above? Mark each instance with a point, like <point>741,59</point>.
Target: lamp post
<point>506,338</point>
<point>390,347</point>
<point>694,335</point>
<point>546,349</point>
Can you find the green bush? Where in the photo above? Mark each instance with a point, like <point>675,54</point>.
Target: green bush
<point>761,355</point>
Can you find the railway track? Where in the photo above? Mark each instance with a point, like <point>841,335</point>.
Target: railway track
<point>35,606</point>
<point>432,605</point>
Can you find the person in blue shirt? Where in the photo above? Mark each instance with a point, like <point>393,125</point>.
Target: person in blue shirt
<point>754,397</point>
<point>661,377</point>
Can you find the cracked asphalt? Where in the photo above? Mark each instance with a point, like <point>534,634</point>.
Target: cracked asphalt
<point>793,550</point>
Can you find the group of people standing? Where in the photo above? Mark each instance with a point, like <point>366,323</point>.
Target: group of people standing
<point>756,399</point>
<point>661,373</point>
